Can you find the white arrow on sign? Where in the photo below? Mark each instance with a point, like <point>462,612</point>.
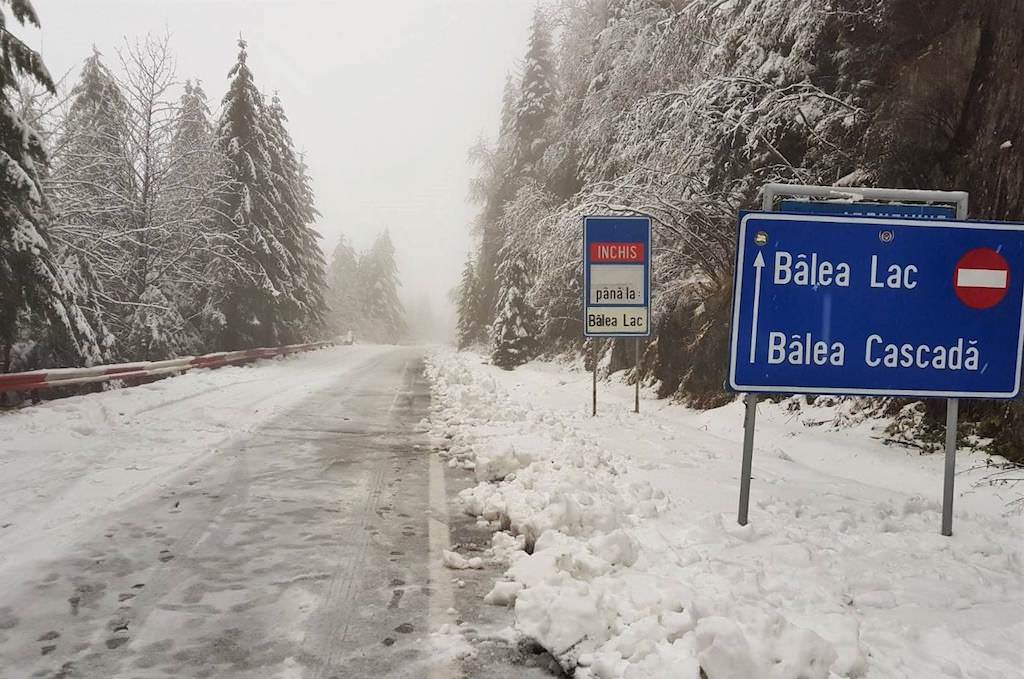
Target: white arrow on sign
<point>759,266</point>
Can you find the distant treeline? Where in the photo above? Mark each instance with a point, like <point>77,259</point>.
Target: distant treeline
<point>137,225</point>
<point>363,292</point>
<point>682,110</point>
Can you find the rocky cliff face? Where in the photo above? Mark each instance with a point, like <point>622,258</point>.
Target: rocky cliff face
<point>939,85</point>
<point>952,112</point>
<point>951,116</point>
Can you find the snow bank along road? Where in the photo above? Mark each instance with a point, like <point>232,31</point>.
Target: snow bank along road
<point>624,559</point>
<point>268,521</point>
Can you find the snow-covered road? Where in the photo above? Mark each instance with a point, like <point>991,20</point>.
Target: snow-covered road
<point>292,519</point>
<point>66,462</point>
<point>624,558</point>
<point>279,520</point>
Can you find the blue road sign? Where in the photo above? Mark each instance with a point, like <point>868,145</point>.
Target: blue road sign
<point>876,306</point>
<point>825,207</point>
<point>617,276</point>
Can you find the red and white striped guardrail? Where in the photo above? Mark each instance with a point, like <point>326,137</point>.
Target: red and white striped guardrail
<point>65,377</point>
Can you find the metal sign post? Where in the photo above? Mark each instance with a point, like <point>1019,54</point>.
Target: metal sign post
<point>636,375</point>
<point>748,456</point>
<point>855,298</point>
<point>952,410</point>
<point>616,283</point>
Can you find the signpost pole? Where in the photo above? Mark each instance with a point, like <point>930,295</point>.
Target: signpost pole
<point>952,415</point>
<point>767,204</point>
<point>749,420</point>
<point>593,361</point>
<point>636,374</point>
<point>748,456</point>
<point>952,412</point>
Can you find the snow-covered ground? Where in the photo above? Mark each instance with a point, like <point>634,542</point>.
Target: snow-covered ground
<point>638,568</point>
<point>63,463</point>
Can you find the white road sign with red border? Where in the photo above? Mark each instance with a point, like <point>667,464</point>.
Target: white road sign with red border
<point>982,278</point>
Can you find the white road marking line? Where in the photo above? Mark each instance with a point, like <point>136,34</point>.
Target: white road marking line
<point>442,598</point>
<point>981,278</point>
<point>400,389</point>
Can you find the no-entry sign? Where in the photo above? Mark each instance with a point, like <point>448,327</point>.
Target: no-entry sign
<point>616,276</point>
<point>982,278</point>
<point>877,306</point>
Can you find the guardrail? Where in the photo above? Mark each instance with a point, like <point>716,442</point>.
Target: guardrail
<point>65,377</point>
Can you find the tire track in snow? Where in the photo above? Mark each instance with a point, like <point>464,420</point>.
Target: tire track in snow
<point>325,647</point>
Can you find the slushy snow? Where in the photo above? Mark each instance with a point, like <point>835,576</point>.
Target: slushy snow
<point>624,558</point>
<point>66,463</point>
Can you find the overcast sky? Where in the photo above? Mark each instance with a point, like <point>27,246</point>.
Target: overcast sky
<point>384,98</point>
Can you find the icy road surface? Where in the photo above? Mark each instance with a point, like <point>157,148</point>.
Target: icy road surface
<point>281,520</point>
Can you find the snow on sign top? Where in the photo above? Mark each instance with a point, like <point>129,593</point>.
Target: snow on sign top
<point>840,304</point>
<point>616,276</point>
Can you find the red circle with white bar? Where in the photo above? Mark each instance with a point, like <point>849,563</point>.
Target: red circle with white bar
<point>982,278</point>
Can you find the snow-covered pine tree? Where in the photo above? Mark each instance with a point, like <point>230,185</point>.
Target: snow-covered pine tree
<point>493,187</point>
<point>467,329</point>
<point>86,291</point>
<point>35,295</point>
<point>91,188</point>
<point>384,317</point>
<point>156,328</point>
<point>314,264</point>
<point>514,331</point>
<point>192,128</point>
<point>35,105</point>
<point>311,255</point>
<point>509,100</point>
<point>521,145</point>
<point>195,165</point>
<point>261,270</point>
<point>537,97</point>
<point>343,290</point>
<point>302,306</point>
<point>94,128</point>
<point>195,182</point>
<point>92,140</point>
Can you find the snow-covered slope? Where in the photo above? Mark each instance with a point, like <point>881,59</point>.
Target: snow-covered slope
<point>638,568</point>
